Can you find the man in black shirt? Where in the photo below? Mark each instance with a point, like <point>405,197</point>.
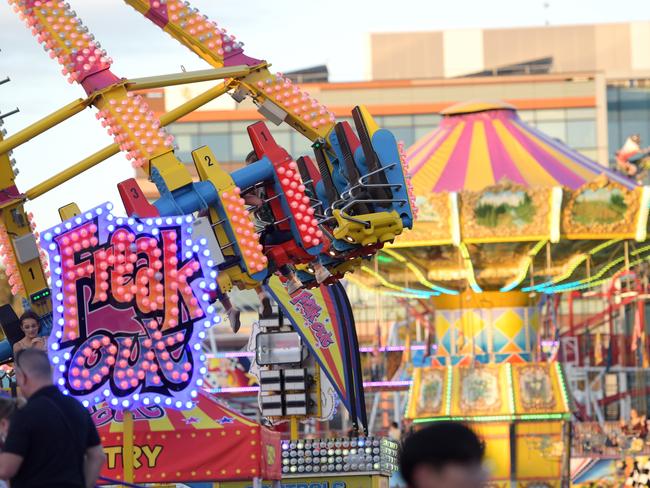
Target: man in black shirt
<point>52,441</point>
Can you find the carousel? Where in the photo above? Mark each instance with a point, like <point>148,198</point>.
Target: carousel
<point>508,219</point>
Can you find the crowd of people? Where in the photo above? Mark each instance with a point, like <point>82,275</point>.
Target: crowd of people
<point>611,438</point>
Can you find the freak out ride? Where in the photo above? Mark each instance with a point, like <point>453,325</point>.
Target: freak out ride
<point>130,297</point>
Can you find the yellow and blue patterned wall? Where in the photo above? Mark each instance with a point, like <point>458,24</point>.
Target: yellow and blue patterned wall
<point>486,334</point>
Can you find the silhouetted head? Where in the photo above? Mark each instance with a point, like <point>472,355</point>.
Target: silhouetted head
<point>251,157</point>
<point>443,455</point>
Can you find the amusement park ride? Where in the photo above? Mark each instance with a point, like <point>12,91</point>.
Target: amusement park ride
<point>128,299</point>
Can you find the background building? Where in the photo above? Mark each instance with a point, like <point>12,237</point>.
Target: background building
<point>616,50</point>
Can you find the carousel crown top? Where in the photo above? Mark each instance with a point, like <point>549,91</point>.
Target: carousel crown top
<point>480,143</point>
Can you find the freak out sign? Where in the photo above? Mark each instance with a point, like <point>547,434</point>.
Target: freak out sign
<point>131,306</point>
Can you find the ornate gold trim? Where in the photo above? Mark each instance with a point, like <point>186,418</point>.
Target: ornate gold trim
<point>627,225</point>
<point>472,229</point>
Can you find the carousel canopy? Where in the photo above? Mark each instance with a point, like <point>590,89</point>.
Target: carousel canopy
<point>481,143</point>
<point>504,207</point>
<point>209,442</point>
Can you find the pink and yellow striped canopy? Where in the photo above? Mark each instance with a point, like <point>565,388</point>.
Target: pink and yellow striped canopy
<point>480,143</point>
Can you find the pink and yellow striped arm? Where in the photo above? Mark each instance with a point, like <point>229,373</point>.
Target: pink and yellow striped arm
<point>62,34</point>
<point>9,260</point>
<point>214,45</point>
<point>126,116</point>
<point>203,36</point>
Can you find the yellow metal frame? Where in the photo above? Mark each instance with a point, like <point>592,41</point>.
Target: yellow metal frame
<point>31,274</point>
<point>209,170</point>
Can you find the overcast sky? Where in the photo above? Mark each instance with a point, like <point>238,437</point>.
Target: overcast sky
<point>289,33</point>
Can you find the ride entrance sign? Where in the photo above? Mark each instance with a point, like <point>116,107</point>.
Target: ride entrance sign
<point>131,305</point>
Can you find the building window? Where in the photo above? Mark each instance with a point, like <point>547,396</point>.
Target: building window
<point>426,120</point>
<point>219,143</point>
<point>628,112</point>
<point>212,127</point>
<point>184,143</point>
<point>555,129</point>
<point>550,114</point>
<point>300,145</point>
<point>420,132</point>
<point>241,146</point>
<point>397,121</point>
<point>183,128</point>
<point>581,133</point>
<point>283,139</point>
<point>581,113</point>
<point>405,134</point>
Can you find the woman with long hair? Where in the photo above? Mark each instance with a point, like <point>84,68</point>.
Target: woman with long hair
<point>31,327</point>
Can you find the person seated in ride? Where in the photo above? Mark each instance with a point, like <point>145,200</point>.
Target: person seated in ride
<point>30,325</point>
<point>631,148</point>
<point>271,235</point>
<point>233,312</point>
